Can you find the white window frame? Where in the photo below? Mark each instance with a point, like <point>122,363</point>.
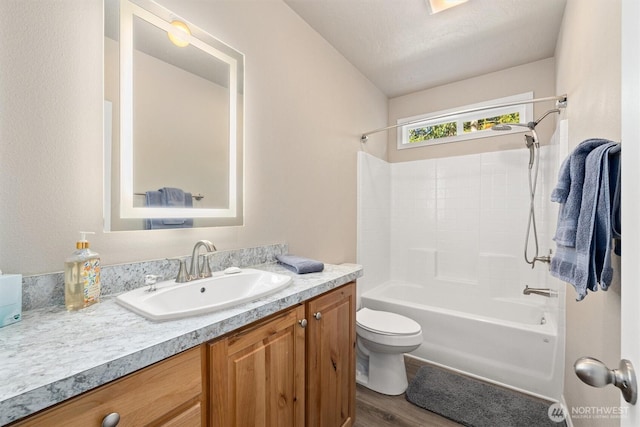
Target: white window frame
<point>451,115</point>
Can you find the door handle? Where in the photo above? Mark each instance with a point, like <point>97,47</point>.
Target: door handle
<point>595,373</point>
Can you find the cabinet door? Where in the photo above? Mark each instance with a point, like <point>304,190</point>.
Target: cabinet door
<point>331,339</point>
<point>257,376</point>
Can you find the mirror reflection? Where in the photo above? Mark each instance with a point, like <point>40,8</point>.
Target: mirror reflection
<point>173,120</point>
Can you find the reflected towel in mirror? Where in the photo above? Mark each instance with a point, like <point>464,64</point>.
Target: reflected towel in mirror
<point>168,197</point>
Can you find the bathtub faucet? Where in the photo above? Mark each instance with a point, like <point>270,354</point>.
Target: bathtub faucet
<point>545,292</point>
<point>545,259</point>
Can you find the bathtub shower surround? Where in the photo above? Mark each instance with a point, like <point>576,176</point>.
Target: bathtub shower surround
<point>456,232</point>
<point>374,220</point>
<point>466,208</point>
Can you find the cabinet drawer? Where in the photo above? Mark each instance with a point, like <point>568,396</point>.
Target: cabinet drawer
<point>190,417</point>
<point>153,394</point>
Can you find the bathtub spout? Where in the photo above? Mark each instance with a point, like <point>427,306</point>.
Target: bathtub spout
<point>545,292</point>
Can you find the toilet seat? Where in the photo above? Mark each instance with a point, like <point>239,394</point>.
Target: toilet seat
<point>386,323</point>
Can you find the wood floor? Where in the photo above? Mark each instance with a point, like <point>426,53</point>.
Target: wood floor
<point>375,409</point>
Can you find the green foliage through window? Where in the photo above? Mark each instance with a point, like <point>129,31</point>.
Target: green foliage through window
<point>426,133</point>
<point>486,123</point>
<point>469,122</point>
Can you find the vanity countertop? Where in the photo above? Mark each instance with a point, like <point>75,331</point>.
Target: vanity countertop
<point>52,355</point>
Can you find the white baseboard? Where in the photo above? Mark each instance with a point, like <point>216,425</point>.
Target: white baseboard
<point>566,411</point>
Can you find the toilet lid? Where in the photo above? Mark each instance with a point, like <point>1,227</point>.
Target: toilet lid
<point>383,322</point>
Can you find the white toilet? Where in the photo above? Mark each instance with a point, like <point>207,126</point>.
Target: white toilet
<point>382,339</point>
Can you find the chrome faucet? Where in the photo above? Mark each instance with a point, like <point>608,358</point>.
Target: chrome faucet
<point>545,259</point>
<point>545,292</point>
<point>182,276</point>
<point>196,271</point>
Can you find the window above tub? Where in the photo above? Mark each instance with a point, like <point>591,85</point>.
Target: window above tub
<point>460,124</point>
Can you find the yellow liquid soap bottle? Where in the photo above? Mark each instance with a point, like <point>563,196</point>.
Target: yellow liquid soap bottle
<point>82,276</point>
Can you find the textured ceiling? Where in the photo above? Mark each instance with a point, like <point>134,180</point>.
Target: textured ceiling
<point>401,48</point>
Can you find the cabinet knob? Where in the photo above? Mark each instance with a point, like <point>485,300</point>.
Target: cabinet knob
<point>303,323</point>
<point>111,420</point>
<point>317,315</point>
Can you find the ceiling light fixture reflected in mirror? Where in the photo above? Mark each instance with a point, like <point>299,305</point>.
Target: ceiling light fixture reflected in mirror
<point>436,6</point>
<point>180,34</point>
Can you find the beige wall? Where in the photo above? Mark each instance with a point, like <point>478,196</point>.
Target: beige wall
<point>588,70</point>
<point>305,109</point>
<point>537,77</point>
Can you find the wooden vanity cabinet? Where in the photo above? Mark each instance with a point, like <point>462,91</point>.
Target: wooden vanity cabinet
<point>294,369</point>
<point>168,393</point>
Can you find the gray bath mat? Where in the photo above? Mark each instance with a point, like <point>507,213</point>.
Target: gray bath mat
<point>475,403</point>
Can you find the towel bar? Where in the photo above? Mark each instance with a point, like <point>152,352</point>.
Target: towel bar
<point>198,196</point>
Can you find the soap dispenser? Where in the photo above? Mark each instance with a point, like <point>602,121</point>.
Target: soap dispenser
<point>81,276</point>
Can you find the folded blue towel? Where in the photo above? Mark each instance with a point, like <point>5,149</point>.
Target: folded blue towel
<point>569,189</point>
<point>588,262</point>
<point>300,265</point>
<point>168,197</point>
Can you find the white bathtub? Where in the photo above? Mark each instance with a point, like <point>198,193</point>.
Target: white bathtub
<point>512,342</point>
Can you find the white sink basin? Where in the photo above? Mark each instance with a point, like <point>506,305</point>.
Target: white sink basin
<point>173,300</point>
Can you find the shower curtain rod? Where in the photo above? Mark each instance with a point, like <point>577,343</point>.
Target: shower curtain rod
<point>561,102</point>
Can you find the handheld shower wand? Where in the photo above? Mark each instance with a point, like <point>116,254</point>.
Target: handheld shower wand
<point>533,144</point>
<point>530,143</point>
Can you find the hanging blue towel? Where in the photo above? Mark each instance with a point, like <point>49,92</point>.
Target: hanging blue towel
<point>569,189</point>
<point>153,199</point>
<point>586,262</point>
<point>615,175</point>
<point>168,197</point>
<point>300,265</point>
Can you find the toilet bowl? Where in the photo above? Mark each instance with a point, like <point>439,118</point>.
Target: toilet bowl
<point>382,339</point>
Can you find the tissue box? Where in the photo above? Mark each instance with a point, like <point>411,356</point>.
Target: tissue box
<point>10,298</point>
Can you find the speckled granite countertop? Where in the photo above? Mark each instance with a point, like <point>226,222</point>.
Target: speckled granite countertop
<point>52,355</point>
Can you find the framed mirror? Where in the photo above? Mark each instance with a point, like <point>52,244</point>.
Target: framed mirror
<point>173,122</point>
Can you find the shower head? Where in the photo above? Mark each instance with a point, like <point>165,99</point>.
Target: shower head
<point>530,125</point>
<point>530,141</point>
<point>508,126</point>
